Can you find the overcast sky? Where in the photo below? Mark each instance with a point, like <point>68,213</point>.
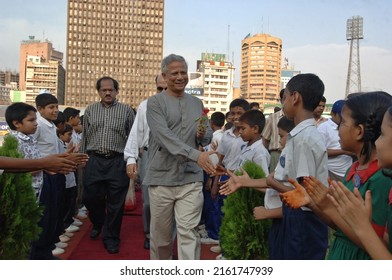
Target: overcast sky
<point>313,33</point>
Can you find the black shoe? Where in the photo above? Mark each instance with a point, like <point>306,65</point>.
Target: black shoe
<point>95,233</point>
<point>112,249</point>
<point>147,243</point>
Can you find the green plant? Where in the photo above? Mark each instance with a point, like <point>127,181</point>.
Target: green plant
<point>241,236</point>
<point>19,211</point>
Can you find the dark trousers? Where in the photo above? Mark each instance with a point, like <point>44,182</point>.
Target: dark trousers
<point>79,182</point>
<point>59,181</point>
<point>212,210</point>
<point>52,189</point>
<point>275,240</point>
<point>305,236</point>
<point>105,188</point>
<point>69,206</point>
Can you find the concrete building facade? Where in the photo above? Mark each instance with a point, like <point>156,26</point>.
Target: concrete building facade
<point>9,78</point>
<point>261,60</point>
<point>287,74</point>
<point>44,75</point>
<point>32,47</point>
<point>118,38</point>
<point>41,68</point>
<point>218,82</point>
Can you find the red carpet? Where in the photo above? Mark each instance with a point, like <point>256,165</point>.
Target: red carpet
<point>81,247</point>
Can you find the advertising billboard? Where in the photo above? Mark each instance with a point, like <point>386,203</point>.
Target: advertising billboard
<point>3,128</point>
<point>196,84</point>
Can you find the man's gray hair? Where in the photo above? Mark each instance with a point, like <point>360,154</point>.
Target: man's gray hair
<point>171,58</point>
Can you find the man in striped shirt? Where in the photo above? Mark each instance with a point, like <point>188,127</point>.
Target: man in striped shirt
<point>271,136</point>
<point>106,126</point>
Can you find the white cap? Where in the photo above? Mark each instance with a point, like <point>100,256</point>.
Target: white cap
<point>44,91</point>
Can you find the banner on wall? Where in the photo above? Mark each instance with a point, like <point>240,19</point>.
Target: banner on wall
<point>196,84</point>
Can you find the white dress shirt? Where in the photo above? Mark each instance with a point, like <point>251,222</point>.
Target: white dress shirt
<point>139,135</point>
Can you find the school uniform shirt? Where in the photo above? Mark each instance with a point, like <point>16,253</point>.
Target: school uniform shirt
<point>374,180</point>
<point>70,179</point>
<point>389,221</point>
<point>139,135</point>
<point>339,164</point>
<point>216,139</point>
<point>76,138</point>
<point>230,147</point>
<point>46,137</point>
<point>27,145</point>
<point>305,154</point>
<point>256,153</point>
<point>272,199</point>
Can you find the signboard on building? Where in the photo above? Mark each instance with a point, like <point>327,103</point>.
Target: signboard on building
<point>213,57</point>
<point>3,128</point>
<point>195,84</point>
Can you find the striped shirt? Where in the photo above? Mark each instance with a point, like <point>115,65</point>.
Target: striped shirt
<point>105,129</point>
<point>271,133</point>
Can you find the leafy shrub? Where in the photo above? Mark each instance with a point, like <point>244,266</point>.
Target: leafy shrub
<point>19,211</point>
<point>241,236</point>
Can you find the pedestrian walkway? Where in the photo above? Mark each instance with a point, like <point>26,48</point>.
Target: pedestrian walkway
<point>81,247</point>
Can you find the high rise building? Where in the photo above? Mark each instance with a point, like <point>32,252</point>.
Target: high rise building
<point>261,60</point>
<point>5,95</point>
<point>41,68</point>
<point>9,78</point>
<point>287,74</point>
<point>218,81</point>
<point>118,38</point>
<point>42,75</point>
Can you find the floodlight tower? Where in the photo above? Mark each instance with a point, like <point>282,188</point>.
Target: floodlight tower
<point>353,34</point>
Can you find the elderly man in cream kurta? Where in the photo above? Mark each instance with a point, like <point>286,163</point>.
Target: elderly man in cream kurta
<point>175,172</point>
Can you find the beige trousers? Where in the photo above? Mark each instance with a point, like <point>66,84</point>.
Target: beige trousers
<point>185,203</point>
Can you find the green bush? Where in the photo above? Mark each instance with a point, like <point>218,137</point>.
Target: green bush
<point>19,211</point>
<point>241,236</point>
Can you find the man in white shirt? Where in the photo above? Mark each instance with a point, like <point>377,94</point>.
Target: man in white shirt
<point>137,145</point>
<point>338,160</point>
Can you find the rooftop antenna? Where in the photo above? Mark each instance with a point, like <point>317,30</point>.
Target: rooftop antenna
<point>268,25</point>
<point>262,25</point>
<point>228,43</point>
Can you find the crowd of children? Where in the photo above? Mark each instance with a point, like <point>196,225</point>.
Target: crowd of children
<point>43,134</point>
<point>302,203</point>
<point>300,230</point>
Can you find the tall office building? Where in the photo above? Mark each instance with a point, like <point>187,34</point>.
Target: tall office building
<point>218,81</point>
<point>261,60</point>
<point>118,38</point>
<point>40,68</point>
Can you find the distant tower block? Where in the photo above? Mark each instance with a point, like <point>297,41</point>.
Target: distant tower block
<point>353,34</point>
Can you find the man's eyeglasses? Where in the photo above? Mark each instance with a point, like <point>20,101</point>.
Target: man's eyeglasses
<point>159,89</point>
